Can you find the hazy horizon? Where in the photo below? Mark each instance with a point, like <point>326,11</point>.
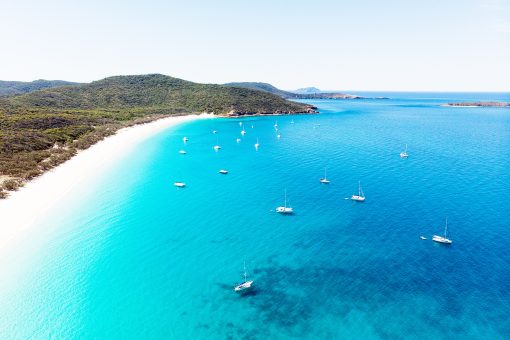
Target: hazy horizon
<point>288,89</point>
<point>455,46</point>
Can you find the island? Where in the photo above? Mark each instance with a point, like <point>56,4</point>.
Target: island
<point>42,128</point>
<point>479,104</point>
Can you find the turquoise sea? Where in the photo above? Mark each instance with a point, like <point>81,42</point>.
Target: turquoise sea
<point>132,256</point>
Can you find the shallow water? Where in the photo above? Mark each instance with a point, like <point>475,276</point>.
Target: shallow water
<point>133,256</point>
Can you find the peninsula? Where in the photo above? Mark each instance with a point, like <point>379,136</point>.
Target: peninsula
<point>42,129</point>
<point>479,104</point>
<point>304,93</point>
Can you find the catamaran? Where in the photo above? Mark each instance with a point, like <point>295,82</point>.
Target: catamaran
<point>324,180</point>
<point>360,197</point>
<point>404,153</point>
<point>442,239</point>
<point>245,285</point>
<point>285,209</point>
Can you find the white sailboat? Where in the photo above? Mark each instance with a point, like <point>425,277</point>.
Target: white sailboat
<point>223,172</point>
<point>257,144</point>
<point>238,140</point>
<point>185,139</point>
<point>217,146</point>
<point>243,132</point>
<point>276,125</point>
<point>245,285</point>
<point>180,184</point>
<point>404,153</point>
<point>442,239</point>
<point>285,209</point>
<point>360,197</point>
<point>325,180</point>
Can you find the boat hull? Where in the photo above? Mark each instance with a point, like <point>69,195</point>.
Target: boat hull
<point>284,210</point>
<point>442,240</point>
<point>358,198</point>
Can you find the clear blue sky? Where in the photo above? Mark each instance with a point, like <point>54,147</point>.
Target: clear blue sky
<point>447,45</point>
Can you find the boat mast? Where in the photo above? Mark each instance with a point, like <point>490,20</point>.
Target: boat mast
<point>446,227</point>
<point>244,271</point>
<point>285,199</point>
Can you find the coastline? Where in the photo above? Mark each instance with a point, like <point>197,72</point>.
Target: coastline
<point>24,207</point>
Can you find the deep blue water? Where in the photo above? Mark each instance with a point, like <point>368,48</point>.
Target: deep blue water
<point>135,257</point>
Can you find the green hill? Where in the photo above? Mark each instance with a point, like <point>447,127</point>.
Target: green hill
<point>41,129</point>
<point>306,93</point>
<point>9,88</point>
<point>157,91</point>
<point>266,88</point>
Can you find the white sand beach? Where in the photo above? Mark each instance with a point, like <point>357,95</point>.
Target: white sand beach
<point>24,208</point>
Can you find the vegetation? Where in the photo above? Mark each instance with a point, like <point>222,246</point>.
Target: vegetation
<point>41,129</point>
<point>8,88</point>
<point>481,104</point>
<point>293,95</point>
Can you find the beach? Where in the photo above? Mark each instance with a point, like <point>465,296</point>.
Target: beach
<point>25,207</point>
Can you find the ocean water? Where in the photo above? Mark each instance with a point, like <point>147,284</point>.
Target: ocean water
<point>132,256</point>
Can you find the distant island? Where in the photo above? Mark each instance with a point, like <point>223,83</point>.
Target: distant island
<point>303,93</point>
<point>42,128</point>
<point>479,104</point>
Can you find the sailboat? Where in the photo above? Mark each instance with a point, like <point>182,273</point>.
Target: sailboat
<point>285,209</point>
<point>243,132</point>
<point>257,144</point>
<point>276,125</point>
<point>217,146</point>
<point>360,197</point>
<point>223,172</point>
<point>185,139</point>
<point>404,153</point>
<point>180,184</point>
<point>442,239</point>
<point>182,152</point>
<point>324,180</point>
<point>245,285</point>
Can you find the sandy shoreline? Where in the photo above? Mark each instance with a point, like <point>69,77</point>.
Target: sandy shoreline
<point>26,206</point>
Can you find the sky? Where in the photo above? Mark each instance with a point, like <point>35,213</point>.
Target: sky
<point>392,45</point>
